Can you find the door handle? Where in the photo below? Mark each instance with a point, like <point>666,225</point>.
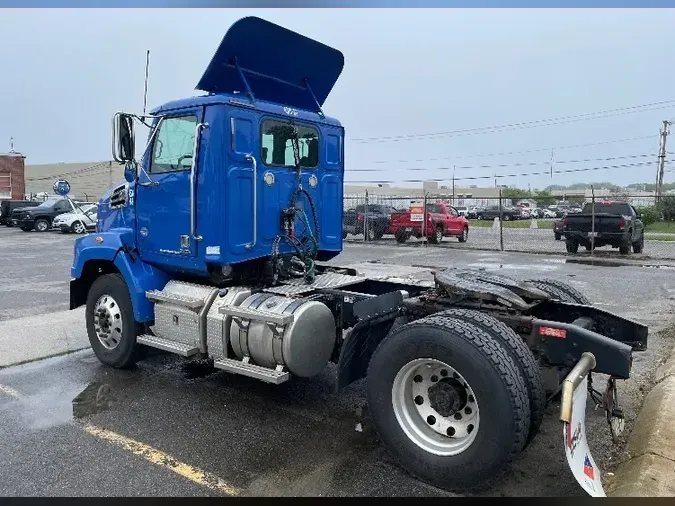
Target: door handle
<point>251,158</point>
<point>193,183</point>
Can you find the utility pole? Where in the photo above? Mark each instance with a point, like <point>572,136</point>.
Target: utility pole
<point>665,130</point>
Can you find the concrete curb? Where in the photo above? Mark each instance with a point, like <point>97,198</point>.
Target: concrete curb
<point>42,336</point>
<point>650,469</point>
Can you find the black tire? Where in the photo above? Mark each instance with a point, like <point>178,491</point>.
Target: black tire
<point>42,225</point>
<point>26,229</point>
<point>78,226</point>
<point>128,351</point>
<point>560,291</point>
<point>639,246</point>
<point>437,236</point>
<point>500,390</point>
<point>588,247</point>
<point>344,234</point>
<point>557,236</point>
<point>378,234</point>
<point>624,249</point>
<point>507,217</point>
<point>401,236</point>
<point>571,246</point>
<point>519,353</point>
<point>465,235</point>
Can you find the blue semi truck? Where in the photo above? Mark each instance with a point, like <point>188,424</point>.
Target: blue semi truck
<point>216,248</point>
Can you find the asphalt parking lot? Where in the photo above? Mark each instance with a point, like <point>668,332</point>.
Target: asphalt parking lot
<point>77,428</point>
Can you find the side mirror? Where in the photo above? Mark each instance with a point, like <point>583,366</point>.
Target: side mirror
<point>124,141</point>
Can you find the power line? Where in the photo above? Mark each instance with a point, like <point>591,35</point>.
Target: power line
<point>516,164</point>
<point>654,106</point>
<point>509,153</point>
<point>499,176</point>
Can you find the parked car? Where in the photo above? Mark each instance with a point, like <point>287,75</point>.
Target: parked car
<point>79,222</point>
<point>472,213</point>
<point>492,212</point>
<point>41,217</point>
<point>8,206</point>
<point>438,221</point>
<point>462,211</point>
<point>617,224</point>
<point>378,218</point>
<point>549,213</point>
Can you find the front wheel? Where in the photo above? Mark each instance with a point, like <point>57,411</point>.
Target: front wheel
<point>41,225</point>
<point>448,402</point>
<point>78,227</point>
<point>465,235</point>
<point>111,326</point>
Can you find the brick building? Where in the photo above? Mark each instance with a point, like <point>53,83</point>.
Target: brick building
<point>12,174</point>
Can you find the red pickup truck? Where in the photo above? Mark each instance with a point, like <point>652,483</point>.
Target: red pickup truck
<point>442,220</point>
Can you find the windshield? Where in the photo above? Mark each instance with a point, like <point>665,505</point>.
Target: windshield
<point>47,203</point>
<point>435,208</point>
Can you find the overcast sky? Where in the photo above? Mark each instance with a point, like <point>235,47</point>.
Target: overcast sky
<point>407,72</point>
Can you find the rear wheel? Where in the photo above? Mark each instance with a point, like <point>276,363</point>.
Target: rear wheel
<point>519,353</point>
<point>465,235</point>
<point>401,236</point>
<point>448,402</point>
<point>639,246</point>
<point>110,320</point>
<point>557,236</point>
<point>437,236</point>
<point>571,246</point>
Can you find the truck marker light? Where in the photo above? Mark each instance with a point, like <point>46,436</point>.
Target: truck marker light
<point>551,332</point>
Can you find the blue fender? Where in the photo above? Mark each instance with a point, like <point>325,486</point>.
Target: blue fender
<point>138,275</point>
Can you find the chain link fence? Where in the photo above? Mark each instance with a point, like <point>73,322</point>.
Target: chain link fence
<point>619,226</point>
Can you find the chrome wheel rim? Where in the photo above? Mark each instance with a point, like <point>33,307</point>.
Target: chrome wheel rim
<point>41,226</point>
<point>435,407</point>
<point>108,322</point>
<point>79,228</point>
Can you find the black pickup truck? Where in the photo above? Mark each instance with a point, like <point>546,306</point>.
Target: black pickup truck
<point>40,217</point>
<point>9,206</point>
<point>378,219</point>
<point>617,224</point>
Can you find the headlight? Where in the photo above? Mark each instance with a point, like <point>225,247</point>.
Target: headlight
<point>26,216</point>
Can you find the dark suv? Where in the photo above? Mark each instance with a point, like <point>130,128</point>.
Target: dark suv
<point>40,218</point>
<point>9,206</point>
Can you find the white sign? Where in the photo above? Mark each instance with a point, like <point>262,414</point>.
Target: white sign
<point>579,456</point>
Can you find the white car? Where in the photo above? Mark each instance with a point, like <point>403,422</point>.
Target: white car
<point>84,219</point>
<point>549,214</point>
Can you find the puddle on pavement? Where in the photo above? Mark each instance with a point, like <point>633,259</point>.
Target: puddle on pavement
<point>198,369</point>
<point>95,398</point>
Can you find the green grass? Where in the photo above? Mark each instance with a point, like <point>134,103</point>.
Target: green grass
<point>657,237</point>
<point>661,226</point>
<point>507,224</point>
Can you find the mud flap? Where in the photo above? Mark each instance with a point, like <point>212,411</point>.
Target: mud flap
<point>573,416</point>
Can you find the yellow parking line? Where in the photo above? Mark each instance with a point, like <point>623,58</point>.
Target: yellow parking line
<point>4,389</point>
<point>194,474</point>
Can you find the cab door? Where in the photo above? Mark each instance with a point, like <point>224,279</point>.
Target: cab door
<point>454,221</point>
<point>163,204</point>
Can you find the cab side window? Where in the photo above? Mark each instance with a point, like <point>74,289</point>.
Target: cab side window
<point>173,145</point>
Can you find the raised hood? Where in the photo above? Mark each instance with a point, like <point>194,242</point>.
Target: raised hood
<point>278,64</point>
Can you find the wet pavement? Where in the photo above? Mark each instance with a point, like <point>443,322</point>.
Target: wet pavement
<point>72,427</point>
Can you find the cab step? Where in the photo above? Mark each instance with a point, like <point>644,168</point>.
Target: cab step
<point>193,303</point>
<point>184,350</point>
<point>265,374</point>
